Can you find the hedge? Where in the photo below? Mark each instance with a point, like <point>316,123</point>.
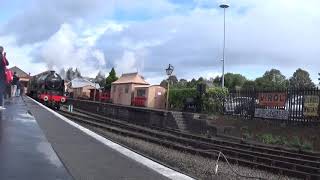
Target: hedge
<point>177,97</point>
<point>212,100</point>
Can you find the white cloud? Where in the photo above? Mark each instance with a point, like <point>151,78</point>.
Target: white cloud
<point>260,35</point>
<point>62,50</point>
<point>20,55</point>
<point>127,63</point>
<point>267,34</point>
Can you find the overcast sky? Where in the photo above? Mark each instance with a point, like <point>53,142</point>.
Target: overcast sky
<point>147,35</point>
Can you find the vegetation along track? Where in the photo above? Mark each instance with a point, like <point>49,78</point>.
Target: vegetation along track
<point>278,161</point>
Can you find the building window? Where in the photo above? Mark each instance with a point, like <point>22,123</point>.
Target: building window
<point>114,88</point>
<point>141,92</point>
<point>126,89</point>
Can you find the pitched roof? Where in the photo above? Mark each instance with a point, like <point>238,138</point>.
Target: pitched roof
<point>80,82</point>
<point>20,73</point>
<point>131,78</point>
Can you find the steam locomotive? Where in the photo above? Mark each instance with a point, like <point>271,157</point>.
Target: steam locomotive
<point>48,88</point>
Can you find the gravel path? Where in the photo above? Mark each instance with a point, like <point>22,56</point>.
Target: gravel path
<point>193,165</point>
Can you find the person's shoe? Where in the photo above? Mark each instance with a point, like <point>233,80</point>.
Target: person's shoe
<point>2,108</point>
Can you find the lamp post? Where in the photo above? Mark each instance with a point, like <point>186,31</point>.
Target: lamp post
<point>224,6</point>
<point>169,71</point>
<point>95,89</point>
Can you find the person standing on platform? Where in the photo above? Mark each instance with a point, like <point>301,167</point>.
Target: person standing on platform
<point>14,85</point>
<point>18,89</point>
<point>3,63</point>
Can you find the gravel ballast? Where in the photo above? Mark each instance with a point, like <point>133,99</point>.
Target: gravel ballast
<point>193,165</point>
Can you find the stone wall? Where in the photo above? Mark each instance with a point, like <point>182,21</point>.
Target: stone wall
<point>187,122</point>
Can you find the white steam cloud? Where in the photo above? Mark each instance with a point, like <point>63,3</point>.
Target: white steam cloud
<point>64,49</point>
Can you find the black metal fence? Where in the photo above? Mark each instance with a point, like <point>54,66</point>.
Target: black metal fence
<point>290,105</point>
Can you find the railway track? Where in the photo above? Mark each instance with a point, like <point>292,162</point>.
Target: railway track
<point>306,166</point>
<point>295,154</point>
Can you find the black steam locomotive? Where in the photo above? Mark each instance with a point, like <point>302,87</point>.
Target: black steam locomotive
<point>48,88</point>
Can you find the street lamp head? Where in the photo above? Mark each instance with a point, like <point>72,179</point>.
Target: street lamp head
<point>224,6</point>
<point>169,70</point>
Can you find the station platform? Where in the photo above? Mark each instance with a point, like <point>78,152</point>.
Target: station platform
<point>25,152</point>
<point>38,143</point>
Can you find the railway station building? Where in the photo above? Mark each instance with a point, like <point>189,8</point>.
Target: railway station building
<point>80,88</point>
<point>132,89</point>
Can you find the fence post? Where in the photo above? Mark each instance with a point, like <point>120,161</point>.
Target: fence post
<point>251,104</point>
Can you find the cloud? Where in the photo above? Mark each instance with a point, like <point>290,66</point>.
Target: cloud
<point>272,34</point>
<point>148,35</point>
<point>62,50</point>
<point>20,55</point>
<point>40,19</point>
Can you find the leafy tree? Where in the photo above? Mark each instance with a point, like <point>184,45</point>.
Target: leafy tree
<point>233,81</point>
<point>69,74</point>
<point>77,73</point>
<point>183,82</point>
<point>192,83</point>
<point>164,83</point>
<point>272,79</point>
<point>173,80</point>
<point>217,81</point>
<point>200,80</point>
<point>249,85</point>
<point>100,78</point>
<point>110,79</point>
<point>301,79</point>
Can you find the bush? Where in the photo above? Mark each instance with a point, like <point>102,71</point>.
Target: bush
<point>213,100</point>
<point>295,142</point>
<point>177,97</point>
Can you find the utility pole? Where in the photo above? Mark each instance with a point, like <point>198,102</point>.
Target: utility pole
<point>224,6</point>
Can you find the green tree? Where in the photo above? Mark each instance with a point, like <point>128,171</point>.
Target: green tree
<point>301,80</point>
<point>173,80</point>
<point>200,80</point>
<point>77,73</point>
<point>182,83</point>
<point>164,83</point>
<point>249,85</point>
<point>217,81</point>
<point>174,83</point>
<point>272,79</point>
<point>233,81</point>
<point>69,74</point>
<point>110,79</point>
<point>192,83</point>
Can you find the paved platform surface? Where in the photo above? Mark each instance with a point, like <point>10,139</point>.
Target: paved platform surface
<point>84,156</point>
<point>25,152</point>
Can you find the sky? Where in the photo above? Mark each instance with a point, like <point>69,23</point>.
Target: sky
<point>146,35</point>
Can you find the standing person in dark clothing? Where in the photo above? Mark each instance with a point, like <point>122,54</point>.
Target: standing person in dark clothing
<point>14,85</point>
<point>18,88</point>
<point>3,64</point>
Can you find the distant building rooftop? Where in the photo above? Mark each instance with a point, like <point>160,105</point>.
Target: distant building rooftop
<point>131,78</point>
<point>20,73</point>
<point>80,82</point>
